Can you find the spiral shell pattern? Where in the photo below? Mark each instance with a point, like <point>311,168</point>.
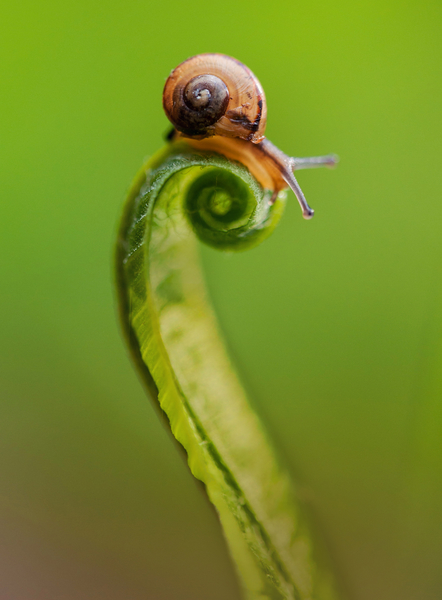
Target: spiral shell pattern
<point>214,94</point>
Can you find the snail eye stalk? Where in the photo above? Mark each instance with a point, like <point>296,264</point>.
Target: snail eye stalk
<point>310,162</point>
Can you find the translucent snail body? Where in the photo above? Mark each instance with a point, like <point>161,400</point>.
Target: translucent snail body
<point>216,103</point>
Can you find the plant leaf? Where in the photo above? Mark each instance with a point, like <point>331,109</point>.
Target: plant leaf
<point>175,343</point>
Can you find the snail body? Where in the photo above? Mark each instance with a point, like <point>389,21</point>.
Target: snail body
<point>254,156</point>
<point>216,103</point>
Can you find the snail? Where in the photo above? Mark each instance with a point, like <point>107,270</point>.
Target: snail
<point>216,103</point>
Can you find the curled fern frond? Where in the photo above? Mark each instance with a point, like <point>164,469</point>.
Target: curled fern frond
<point>178,197</point>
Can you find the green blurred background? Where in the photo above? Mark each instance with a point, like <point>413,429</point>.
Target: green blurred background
<point>335,324</point>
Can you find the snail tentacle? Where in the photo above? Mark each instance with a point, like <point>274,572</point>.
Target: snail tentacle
<point>284,164</point>
<point>290,179</point>
<point>313,162</point>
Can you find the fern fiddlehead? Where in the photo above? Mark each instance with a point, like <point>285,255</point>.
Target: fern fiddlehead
<point>179,196</point>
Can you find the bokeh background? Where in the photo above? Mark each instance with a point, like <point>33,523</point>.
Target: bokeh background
<point>335,324</point>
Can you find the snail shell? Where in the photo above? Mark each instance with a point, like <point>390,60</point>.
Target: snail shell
<point>214,94</point>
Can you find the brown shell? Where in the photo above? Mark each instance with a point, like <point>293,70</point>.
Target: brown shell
<point>244,111</point>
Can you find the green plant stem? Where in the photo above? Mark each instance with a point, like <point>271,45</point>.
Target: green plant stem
<point>175,343</point>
